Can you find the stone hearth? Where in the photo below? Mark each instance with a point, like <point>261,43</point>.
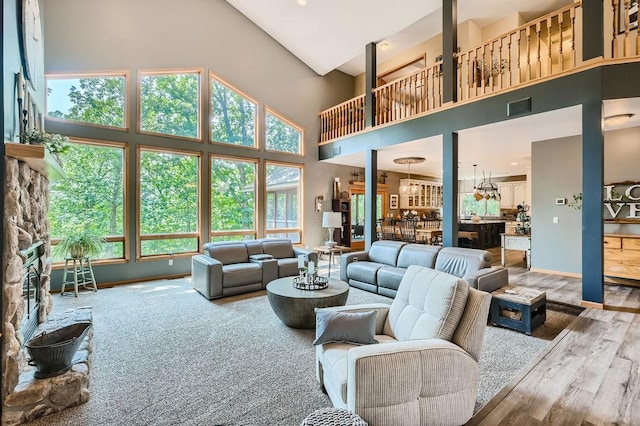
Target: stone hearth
<point>33,398</point>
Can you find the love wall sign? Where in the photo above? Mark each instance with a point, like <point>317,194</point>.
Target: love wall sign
<point>622,201</point>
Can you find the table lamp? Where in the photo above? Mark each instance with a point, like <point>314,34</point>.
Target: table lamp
<point>331,220</point>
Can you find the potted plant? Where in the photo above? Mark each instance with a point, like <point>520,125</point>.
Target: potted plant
<point>56,144</point>
<point>81,244</point>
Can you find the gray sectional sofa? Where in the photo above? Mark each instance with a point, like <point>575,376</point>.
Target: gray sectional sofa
<point>233,267</point>
<point>381,269</point>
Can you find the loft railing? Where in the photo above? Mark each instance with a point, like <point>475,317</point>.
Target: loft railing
<point>410,95</point>
<point>542,48</point>
<point>343,119</point>
<point>626,40</point>
<point>538,49</point>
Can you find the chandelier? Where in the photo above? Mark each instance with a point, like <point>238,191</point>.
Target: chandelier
<point>408,189</point>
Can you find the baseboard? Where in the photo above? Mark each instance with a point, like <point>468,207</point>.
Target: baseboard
<point>564,274</point>
<point>593,305</point>
<point>135,280</point>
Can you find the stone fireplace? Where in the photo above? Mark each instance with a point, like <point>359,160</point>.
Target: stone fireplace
<point>27,301</point>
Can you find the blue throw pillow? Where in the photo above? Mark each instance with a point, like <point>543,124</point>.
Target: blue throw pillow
<point>351,327</point>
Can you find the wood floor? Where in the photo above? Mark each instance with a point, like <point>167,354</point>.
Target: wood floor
<point>589,375</point>
<point>562,289</point>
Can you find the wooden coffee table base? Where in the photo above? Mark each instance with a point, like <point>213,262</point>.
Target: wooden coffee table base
<point>296,308</point>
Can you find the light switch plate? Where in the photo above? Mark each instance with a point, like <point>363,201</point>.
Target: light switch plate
<point>555,220</point>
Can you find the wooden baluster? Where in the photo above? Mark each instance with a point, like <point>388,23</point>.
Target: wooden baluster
<point>538,50</point>
<point>412,95</point>
<point>528,70</point>
<point>573,38</point>
<point>387,117</point>
<point>560,52</point>
<point>500,70</point>
<point>491,80</point>
<point>510,76</point>
<point>519,52</point>
<point>434,90</point>
<point>627,24</point>
<point>614,39</point>
<point>394,96</point>
<point>550,59</point>
<point>459,60</point>
<point>439,91</point>
<point>477,73</point>
<point>483,71</point>
<point>405,92</point>
<point>469,76</point>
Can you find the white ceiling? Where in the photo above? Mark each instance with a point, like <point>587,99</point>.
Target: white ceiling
<point>332,34</point>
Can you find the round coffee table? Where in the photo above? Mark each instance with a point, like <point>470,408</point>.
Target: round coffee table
<point>296,308</point>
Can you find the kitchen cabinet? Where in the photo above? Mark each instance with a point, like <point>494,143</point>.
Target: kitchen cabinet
<point>622,256</point>
<point>488,232</point>
<point>512,194</point>
<point>429,195</point>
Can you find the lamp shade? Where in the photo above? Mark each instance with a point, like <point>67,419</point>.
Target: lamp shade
<point>331,220</point>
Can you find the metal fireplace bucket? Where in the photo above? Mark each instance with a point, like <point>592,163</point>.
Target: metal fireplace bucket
<point>52,352</point>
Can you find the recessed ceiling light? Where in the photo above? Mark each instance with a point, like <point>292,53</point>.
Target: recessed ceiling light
<point>384,46</point>
<point>302,2</point>
<point>618,119</point>
<point>514,163</point>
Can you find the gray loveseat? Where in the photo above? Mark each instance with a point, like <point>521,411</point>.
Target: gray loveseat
<point>233,267</point>
<point>381,269</point>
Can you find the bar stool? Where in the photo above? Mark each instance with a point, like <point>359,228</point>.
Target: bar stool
<point>467,238</point>
<point>81,274</point>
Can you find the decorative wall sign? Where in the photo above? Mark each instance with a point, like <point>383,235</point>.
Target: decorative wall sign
<point>622,202</point>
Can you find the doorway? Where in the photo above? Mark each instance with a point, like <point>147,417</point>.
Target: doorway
<point>358,214</point>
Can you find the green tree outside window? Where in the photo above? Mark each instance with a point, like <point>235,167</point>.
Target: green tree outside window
<point>233,116</point>
<point>95,100</point>
<point>169,104</point>
<point>92,195</point>
<point>168,201</point>
<point>282,136</point>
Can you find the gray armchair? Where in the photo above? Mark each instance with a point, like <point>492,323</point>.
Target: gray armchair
<point>425,369</point>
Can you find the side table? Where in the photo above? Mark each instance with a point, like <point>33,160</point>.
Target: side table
<point>78,272</point>
<point>518,308</point>
<point>330,251</point>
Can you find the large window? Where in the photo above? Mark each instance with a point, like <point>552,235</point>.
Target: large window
<point>233,116</point>
<point>93,99</point>
<point>170,103</point>
<point>469,206</point>
<point>233,198</point>
<point>168,195</point>
<point>91,197</point>
<point>281,135</point>
<point>283,207</point>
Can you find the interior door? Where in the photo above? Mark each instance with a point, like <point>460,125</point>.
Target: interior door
<point>358,215</point>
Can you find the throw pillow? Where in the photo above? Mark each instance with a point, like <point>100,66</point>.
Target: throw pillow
<point>351,327</point>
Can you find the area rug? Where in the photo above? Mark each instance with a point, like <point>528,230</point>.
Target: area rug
<point>164,355</point>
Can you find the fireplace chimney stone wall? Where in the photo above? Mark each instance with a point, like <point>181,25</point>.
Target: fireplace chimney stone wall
<point>25,222</point>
